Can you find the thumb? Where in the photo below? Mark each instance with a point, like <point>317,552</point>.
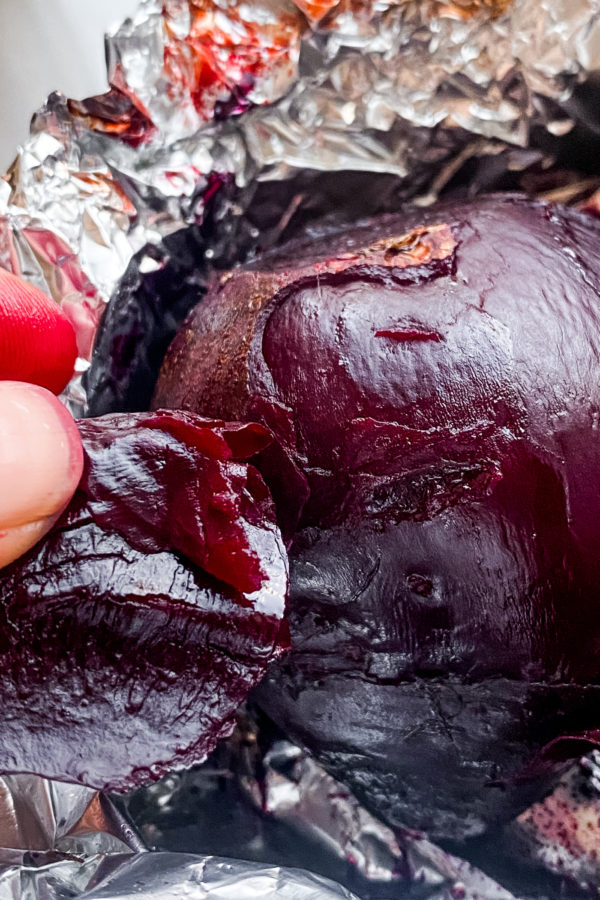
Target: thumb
<point>41,460</point>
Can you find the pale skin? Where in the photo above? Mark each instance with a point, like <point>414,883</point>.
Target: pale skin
<point>41,461</point>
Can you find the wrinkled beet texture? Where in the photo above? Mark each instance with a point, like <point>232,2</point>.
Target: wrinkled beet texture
<point>134,630</point>
<point>433,379</point>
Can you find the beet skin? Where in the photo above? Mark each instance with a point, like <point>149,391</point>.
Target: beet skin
<point>434,381</point>
<point>133,631</point>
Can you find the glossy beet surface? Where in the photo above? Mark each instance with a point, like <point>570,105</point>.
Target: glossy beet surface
<point>134,630</point>
<point>434,378</point>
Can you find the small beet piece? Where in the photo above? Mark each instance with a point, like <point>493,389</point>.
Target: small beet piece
<point>37,341</point>
<point>435,385</point>
<point>133,631</point>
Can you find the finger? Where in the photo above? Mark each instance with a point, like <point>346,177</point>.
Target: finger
<point>41,460</point>
<point>37,341</point>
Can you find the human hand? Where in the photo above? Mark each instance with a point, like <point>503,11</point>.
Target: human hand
<point>41,457</point>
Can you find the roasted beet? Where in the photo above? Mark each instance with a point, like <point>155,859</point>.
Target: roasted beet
<point>134,630</point>
<point>434,380</point>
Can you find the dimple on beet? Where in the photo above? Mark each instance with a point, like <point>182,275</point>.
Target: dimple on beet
<point>433,379</point>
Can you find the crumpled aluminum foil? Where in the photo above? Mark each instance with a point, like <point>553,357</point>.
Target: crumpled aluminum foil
<point>259,801</point>
<point>259,793</point>
<point>296,790</point>
<point>40,818</point>
<point>260,89</point>
<point>61,841</point>
<point>166,876</point>
<point>56,834</point>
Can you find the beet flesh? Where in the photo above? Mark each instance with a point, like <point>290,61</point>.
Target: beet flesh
<point>433,379</point>
<point>133,631</point>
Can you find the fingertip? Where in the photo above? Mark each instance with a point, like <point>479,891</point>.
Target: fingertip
<point>41,461</point>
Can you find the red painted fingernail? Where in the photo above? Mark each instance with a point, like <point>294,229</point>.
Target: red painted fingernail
<point>37,341</point>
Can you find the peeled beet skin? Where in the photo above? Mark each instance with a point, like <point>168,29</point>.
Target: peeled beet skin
<point>434,381</point>
<point>135,629</point>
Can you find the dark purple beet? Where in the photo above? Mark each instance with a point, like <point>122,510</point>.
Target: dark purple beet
<point>434,380</point>
<point>131,634</point>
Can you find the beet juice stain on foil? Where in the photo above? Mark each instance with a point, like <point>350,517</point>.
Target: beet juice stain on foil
<point>259,91</point>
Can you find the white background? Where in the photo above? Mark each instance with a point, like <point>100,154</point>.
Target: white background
<point>48,45</point>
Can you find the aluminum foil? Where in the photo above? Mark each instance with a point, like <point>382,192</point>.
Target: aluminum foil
<point>267,799</point>
<point>296,790</point>
<point>258,90</point>
<point>166,876</point>
<point>39,816</point>
<point>60,840</point>
<point>56,834</point>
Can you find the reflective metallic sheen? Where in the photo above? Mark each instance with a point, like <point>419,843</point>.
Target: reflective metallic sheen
<point>259,90</point>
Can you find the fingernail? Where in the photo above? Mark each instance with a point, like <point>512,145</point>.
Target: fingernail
<point>37,341</point>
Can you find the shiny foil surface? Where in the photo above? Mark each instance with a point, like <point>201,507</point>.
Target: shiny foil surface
<point>61,841</point>
<point>257,91</point>
<point>166,876</point>
<point>296,790</point>
<point>262,797</point>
